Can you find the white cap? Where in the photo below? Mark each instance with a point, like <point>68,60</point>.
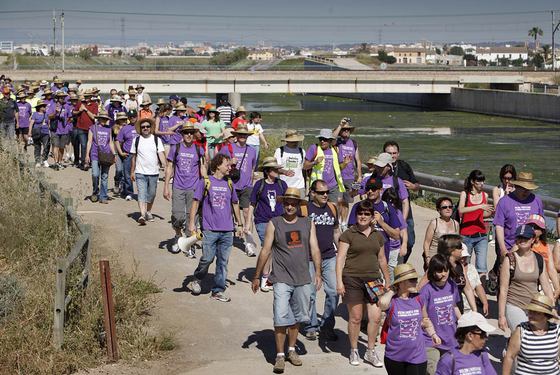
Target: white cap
<point>326,133</point>
<point>472,318</point>
<point>464,251</point>
<point>383,159</point>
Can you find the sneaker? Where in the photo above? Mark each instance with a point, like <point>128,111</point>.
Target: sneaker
<point>195,288</point>
<point>311,335</point>
<point>46,164</point>
<point>328,335</point>
<point>142,220</point>
<point>190,253</point>
<point>175,247</point>
<point>354,357</point>
<point>128,198</point>
<point>279,365</point>
<point>37,165</point>
<point>60,166</point>
<point>220,296</point>
<point>250,249</point>
<point>149,216</point>
<point>293,358</point>
<point>372,357</point>
<point>264,285</point>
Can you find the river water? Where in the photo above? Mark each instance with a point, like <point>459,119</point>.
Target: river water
<point>442,143</point>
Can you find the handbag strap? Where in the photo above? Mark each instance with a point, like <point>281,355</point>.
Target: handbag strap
<point>243,158</point>
<point>97,139</point>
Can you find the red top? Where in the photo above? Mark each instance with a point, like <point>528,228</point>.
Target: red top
<point>84,122</point>
<point>237,121</point>
<point>202,143</point>
<point>473,222</point>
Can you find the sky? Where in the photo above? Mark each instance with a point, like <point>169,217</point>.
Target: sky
<point>276,22</point>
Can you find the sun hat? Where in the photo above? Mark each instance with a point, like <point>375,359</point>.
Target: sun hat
<point>97,98</point>
<point>325,133</point>
<point>21,94</point>
<point>525,231</point>
<point>291,193</point>
<point>79,81</point>
<point>60,94</point>
<point>146,102</point>
<point>541,303</point>
<point>103,114</point>
<point>346,125</point>
<point>40,103</point>
<point>188,127</point>
<point>240,109</point>
<point>471,319</point>
<point>269,162</point>
<point>228,133</point>
<point>242,130</point>
<point>94,89</point>
<point>202,104</point>
<point>141,121</point>
<point>180,107</point>
<point>161,101</point>
<point>525,180</point>
<point>56,80</point>
<point>47,92</point>
<point>73,96</point>
<point>43,83</point>
<point>293,136</point>
<point>404,272</point>
<point>116,98</point>
<point>211,108</point>
<point>88,93</point>
<point>140,86</point>
<point>371,160</point>
<point>383,159</point>
<point>538,220</point>
<point>121,116</point>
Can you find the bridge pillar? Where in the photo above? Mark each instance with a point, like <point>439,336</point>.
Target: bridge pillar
<point>234,98</point>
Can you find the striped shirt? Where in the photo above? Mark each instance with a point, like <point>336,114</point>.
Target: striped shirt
<point>226,113</point>
<point>538,354</point>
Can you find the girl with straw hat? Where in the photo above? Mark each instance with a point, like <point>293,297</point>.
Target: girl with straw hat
<point>405,351</point>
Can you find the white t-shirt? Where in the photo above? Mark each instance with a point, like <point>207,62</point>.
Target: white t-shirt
<point>292,159</point>
<point>147,155</point>
<point>254,139</point>
<point>474,280</point>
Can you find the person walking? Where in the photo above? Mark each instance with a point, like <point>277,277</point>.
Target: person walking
<point>60,126</point>
<point>100,150</point>
<point>239,119</point>
<point>39,132</point>
<point>8,114</point>
<point>187,165</point>
<point>255,139</point>
<point>120,121</point>
<point>291,158</point>
<point>360,264</point>
<point>85,110</point>
<point>126,136</point>
<point>289,240</point>
<point>147,154</point>
<point>220,205</point>
<point>24,116</point>
<point>214,127</point>
<point>438,227</point>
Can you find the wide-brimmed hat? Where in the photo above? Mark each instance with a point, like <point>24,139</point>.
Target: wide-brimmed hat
<point>121,116</point>
<point>180,107</point>
<point>346,125</point>
<point>60,94</point>
<point>146,102</point>
<point>40,103</point>
<point>475,319</point>
<point>242,130</point>
<point>151,121</point>
<point>73,96</point>
<point>21,94</point>
<point>94,89</point>
<point>202,104</point>
<point>161,101</point>
<point>240,109</point>
<point>43,83</point>
<point>291,193</point>
<point>538,220</point>
<point>103,114</point>
<point>383,159</point>
<point>88,93</point>
<point>325,133</point>
<point>541,303</point>
<point>57,80</point>
<point>79,81</point>
<point>116,98</point>
<point>404,272</point>
<point>140,86</point>
<point>211,109</point>
<point>293,136</point>
<point>269,162</point>
<point>188,127</point>
<point>228,133</point>
<point>47,92</point>
<point>525,180</point>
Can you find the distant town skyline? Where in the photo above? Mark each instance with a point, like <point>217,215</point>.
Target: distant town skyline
<point>308,22</point>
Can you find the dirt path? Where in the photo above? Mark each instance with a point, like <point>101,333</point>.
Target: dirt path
<point>212,337</point>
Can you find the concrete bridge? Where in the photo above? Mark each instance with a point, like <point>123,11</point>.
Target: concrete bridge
<point>250,82</point>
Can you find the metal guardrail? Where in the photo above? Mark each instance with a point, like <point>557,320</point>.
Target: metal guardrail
<point>79,252</point>
<point>453,187</point>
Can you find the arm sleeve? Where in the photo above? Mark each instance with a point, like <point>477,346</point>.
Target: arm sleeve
<point>171,153</point>
<point>160,147</point>
<point>133,146</point>
<point>499,217</point>
<point>199,190</point>
<point>310,152</point>
<point>444,365</point>
<point>120,136</point>
<point>410,172</point>
<point>488,368</point>
<point>403,191</point>
<point>345,237</point>
<point>393,218</point>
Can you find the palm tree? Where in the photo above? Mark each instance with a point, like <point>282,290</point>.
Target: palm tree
<point>534,33</point>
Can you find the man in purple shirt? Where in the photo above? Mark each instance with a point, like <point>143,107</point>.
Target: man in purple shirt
<point>180,116</point>
<point>220,205</point>
<point>60,136</point>
<point>124,142</point>
<point>23,114</point>
<point>115,106</point>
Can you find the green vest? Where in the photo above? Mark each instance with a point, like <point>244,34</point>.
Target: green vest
<point>317,171</point>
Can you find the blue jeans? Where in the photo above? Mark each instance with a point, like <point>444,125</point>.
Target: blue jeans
<point>480,246</point>
<point>119,175</point>
<point>147,186</point>
<point>411,237</point>
<point>79,142</point>
<point>291,304</point>
<point>96,171</point>
<point>328,275</point>
<point>215,245</point>
<point>261,230</point>
<point>257,151</point>
<point>128,188</point>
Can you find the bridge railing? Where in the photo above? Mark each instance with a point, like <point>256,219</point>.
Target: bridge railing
<point>72,271</point>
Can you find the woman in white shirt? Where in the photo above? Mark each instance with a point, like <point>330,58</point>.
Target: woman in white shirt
<point>254,140</point>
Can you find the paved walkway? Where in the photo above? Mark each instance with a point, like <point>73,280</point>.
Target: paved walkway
<point>212,337</point>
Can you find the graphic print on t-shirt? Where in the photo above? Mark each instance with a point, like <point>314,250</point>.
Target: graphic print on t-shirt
<point>293,239</point>
<point>408,328</point>
<point>218,197</point>
<point>293,162</point>
<point>323,219</point>
<point>185,161</point>
<point>444,314</point>
<point>475,370</point>
<point>521,214</point>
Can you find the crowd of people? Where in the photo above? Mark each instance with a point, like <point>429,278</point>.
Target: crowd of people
<point>321,223</point>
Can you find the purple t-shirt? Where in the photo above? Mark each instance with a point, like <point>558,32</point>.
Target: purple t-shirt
<point>475,363</point>
<point>217,213</point>
<point>42,120</point>
<point>347,148</point>
<point>440,304</point>
<point>163,126</point>
<point>177,137</point>
<point>112,110</point>
<point>187,165</point>
<point>104,134</point>
<point>387,211</point>
<point>248,166</point>
<point>64,126</point>
<point>126,136</point>
<point>24,114</point>
<point>405,341</point>
<point>328,171</point>
<point>388,182</point>
<point>325,222</point>
<point>392,244</point>
<point>266,205</point>
<point>511,213</point>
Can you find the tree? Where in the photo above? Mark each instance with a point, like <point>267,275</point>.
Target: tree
<point>546,51</point>
<point>470,59</point>
<point>438,51</point>
<point>383,57</point>
<point>503,61</point>
<point>363,48</point>
<point>228,58</point>
<point>538,60</point>
<point>120,53</point>
<point>534,33</point>
<point>517,62</point>
<point>85,53</point>
<point>456,51</point>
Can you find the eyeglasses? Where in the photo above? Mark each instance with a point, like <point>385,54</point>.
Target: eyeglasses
<point>324,140</point>
<point>364,213</point>
<point>507,178</point>
<point>445,207</point>
<point>372,188</point>
<point>321,192</point>
<point>482,334</point>
<point>188,133</point>
<point>145,127</point>
<point>291,203</point>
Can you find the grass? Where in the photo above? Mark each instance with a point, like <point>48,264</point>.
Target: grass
<point>290,64</point>
<point>368,60</point>
<point>32,237</point>
<point>556,79</point>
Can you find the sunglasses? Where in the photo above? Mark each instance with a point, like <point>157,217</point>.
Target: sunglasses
<point>321,192</point>
<point>372,188</point>
<point>291,203</point>
<point>507,178</point>
<point>482,334</point>
<point>364,213</point>
<point>445,207</point>
<point>324,140</point>
<point>145,127</point>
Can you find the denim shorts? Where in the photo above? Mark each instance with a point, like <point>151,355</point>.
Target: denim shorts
<point>147,185</point>
<point>291,304</point>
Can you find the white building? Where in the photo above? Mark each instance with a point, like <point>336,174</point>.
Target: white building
<point>493,54</point>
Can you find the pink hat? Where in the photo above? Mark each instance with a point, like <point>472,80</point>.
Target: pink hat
<point>538,220</point>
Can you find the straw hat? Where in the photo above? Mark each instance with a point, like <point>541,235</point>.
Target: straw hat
<point>269,162</point>
<point>211,108</point>
<point>541,303</point>
<point>47,92</point>
<point>73,96</point>
<point>121,116</point>
<point>95,90</point>
<point>404,272</point>
<point>293,136</point>
<point>161,101</point>
<point>141,121</point>
<point>241,109</point>
<point>180,107</point>
<point>79,81</point>
<point>525,180</point>
<point>60,94</point>
<point>242,130</point>
<point>228,133</point>
<point>103,114</point>
<point>202,104</point>
<point>291,193</point>
<point>140,86</point>
<point>40,103</point>
<point>371,160</point>
<point>146,102</point>
<point>88,93</point>
<point>21,94</point>
<point>188,127</point>
<point>57,80</point>
<point>116,98</point>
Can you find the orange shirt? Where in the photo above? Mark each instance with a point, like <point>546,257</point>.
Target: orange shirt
<point>542,249</point>
<point>145,113</point>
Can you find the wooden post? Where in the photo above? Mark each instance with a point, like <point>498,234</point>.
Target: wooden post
<point>67,204</point>
<point>59,303</point>
<point>108,311</point>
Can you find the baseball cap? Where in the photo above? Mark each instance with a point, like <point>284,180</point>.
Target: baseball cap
<point>525,231</point>
<point>374,184</point>
<point>536,219</point>
<point>132,113</point>
<point>383,159</point>
<point>471,319</point>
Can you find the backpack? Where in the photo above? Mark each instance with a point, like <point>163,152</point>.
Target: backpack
<point>137,142</point>
<point>387,322</point>
<point>513,264</point>
<point>177,147</point>
<point>304,212</point>
<point>306,173</point>
<point>282,152</point>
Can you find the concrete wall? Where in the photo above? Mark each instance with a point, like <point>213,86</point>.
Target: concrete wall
<point>428,101</point>
<point>507,103</point>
